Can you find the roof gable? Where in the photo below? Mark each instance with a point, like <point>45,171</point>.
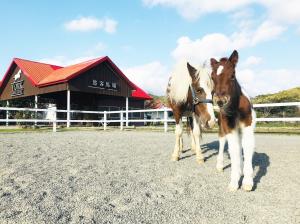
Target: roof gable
<point>42,74</point>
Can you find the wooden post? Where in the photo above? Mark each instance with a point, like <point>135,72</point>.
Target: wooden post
<point>68,107</point>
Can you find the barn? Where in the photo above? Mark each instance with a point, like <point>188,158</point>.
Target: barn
<point>96,84</point>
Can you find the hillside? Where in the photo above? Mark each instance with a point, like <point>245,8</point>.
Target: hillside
<point>290,95</point>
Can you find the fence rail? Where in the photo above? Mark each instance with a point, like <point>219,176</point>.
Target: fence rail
<point>104,121</point>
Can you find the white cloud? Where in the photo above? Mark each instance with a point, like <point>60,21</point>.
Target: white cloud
<point>277,10</point>
<point>85,24</point>
<point>211,45</point>
<point>283,11</point>
<point>152,77</point>
<point>267,81</point>
<point>252,60</point>
<point>110,25</point>
<point>216,44</point>
<point>266,31</point>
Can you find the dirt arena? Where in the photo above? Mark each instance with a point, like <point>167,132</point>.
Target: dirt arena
<point>127,177</point>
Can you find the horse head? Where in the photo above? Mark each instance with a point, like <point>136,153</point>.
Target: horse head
<point>201,91</point>
<point>225,83</point>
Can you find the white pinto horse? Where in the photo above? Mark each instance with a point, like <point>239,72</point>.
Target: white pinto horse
<point>189,93</point>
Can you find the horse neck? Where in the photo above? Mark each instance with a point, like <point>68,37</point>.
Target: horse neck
<point>232,109</point>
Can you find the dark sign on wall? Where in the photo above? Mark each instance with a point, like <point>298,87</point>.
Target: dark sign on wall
<point>100,84</point>
<point>17,85</point>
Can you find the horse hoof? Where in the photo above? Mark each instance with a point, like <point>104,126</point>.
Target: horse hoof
<point>220,169</point>
<point>247,187</point>
<point>232,188</point>
<point>174,158</point>
<point>200,161</point>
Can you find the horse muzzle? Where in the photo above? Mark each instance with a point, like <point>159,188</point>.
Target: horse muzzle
<point>221,101</point>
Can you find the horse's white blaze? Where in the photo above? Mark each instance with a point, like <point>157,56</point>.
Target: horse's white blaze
<point>180,82</point>
<point>220,69</point>
<point>207,84</point>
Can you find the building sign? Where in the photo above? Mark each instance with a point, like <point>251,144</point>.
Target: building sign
<point>17,85</point>
<point>100,84</point>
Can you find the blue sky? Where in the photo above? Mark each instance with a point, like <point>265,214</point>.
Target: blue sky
<point>145,38</point>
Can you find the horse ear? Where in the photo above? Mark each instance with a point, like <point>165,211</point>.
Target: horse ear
<point>234,57</point>
<point>214,64</point>
<point>192,71</point>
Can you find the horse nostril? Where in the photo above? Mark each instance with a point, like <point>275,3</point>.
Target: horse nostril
<point>220,103</point>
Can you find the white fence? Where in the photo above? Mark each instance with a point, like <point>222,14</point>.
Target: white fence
<point>52,118</point>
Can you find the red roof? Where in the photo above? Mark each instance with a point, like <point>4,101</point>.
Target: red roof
<point>41,74</point>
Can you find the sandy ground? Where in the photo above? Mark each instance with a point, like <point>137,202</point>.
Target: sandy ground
<point>127,177</point>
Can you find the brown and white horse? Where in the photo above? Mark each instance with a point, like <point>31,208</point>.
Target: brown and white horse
<point>236,121</point>
<point>189,93</point>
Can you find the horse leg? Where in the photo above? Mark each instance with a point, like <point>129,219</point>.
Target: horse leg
<point>193,144</point>
<point>235,157</point>
<point>190,124</point>
<point>248,143</point>
<point>181,144</point>
<point>220,164</point>
<point>178,134</point>
<point>196,134</point>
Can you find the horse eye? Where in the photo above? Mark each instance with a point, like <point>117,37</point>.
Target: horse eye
<point>199,90</point>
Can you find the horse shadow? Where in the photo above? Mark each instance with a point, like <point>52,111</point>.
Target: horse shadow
<point>260,161</point>
<point>212,147</point>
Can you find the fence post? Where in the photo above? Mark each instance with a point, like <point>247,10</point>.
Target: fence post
<point>165,119</point>
<point>54,116</point>
<point>35,106</point>
<point>127,108</point>
<point>7,113</point>
<point>104,120</point>
<point>121,121</point>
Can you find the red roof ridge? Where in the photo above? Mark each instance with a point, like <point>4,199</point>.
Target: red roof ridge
<point>89,64</point>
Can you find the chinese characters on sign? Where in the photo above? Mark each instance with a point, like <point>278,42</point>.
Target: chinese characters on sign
<point>17,88</point>
<point>99,84</point>
<point>18,85</point>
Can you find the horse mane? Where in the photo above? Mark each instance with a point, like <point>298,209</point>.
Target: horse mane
<point>179,83</point>
<point>181,80</point>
